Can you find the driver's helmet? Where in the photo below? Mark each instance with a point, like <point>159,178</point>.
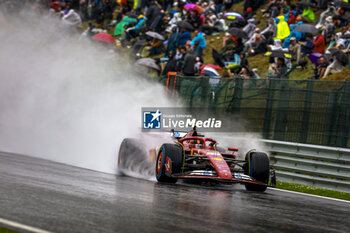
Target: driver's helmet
<point>199,146</point>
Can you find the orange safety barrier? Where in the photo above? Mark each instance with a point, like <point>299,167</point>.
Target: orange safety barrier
<point>171,78</point>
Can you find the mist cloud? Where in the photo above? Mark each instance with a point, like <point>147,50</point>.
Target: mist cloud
<point>66,100</point>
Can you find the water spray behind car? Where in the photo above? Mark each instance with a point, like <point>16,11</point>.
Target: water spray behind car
<point>65,99</point>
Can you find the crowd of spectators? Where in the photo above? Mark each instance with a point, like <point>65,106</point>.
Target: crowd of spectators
<point>174,33</point>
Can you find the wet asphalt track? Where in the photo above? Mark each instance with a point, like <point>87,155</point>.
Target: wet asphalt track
<point>62,198</point>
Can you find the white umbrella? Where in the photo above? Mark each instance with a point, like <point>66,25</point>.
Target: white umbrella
<point>155,35</point>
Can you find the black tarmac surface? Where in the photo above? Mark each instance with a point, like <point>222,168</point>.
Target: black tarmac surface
<point>61,198</point>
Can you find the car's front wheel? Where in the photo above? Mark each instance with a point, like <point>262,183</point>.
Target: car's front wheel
<point>257,166</point>
<point>169,162</point>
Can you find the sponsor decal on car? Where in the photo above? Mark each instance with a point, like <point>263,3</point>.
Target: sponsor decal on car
<point>203,173</point>
<point>218,159</point>
<point>168,165</point>
<point>242,176</point>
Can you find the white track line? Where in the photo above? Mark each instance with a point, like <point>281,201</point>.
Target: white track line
<point>310,195</point>
<point>20,226</point>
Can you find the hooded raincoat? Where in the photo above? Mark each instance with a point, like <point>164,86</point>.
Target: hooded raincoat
<point>282,28</point>
<point>308,13</point>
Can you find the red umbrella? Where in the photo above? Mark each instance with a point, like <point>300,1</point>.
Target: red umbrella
<point>104,37</point>
<point>212,66</point>
<point>57,4</point>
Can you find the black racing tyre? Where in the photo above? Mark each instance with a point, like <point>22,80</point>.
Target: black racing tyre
<point>258,167</point>
<point>169,162</point>
<point>130,152</point>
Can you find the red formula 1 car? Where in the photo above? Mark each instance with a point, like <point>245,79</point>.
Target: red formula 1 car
<point>198,158</point>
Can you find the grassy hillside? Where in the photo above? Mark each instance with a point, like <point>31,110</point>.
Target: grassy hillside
<point>260,62</point>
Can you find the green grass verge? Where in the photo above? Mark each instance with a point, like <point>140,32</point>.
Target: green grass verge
<point>4,230</point>
<point>312,190</point>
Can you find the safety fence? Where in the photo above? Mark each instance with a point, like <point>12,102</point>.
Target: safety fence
<point>304,111</point>
<point>318,166</point>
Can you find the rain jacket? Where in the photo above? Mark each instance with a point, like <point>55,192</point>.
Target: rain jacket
<point>184,37</point>
<point>201,40</point>
<point>119,29</point>
<point>319,44</point>
<point>282,28</point>
<point>139,25</point>
<point>173,43</point>
<point>297,35</point>
<point>308,13</point>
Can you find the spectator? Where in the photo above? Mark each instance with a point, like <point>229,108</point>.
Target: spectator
<point>173,41</point>
<point>249,28</point>
<point>189,62</point>
<point>308,15</point>
<point>200,38</point>
<point>271,27</point>
<point>172,23</point>
<point>254,41</point>
<point>156,47</point>
<point>325,14</point>
<point>320,68</point>
<point>291,18</point>
<point>152,12</point>
<point>184,36</point>
<point>319,43</point>
<point>282,28</point>
<point>171,65</point>
<point>307,46</point>
<point>279,69</point>
<point>294,49</point>
<point>335,67</point>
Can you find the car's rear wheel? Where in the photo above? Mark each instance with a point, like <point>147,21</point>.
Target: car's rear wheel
<point>130,154</point>
<point>169,162</point>
<point>258,167</point>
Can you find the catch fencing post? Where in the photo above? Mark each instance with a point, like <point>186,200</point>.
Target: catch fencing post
<point>269,107</point>
<point>204,91</point>
<point>343,126</point>
<point>306,111</point>
<point>282,110</point>
<point>235,104</point>
<point>330,117</point>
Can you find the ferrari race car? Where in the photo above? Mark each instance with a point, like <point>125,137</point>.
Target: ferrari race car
<point>197,158</point>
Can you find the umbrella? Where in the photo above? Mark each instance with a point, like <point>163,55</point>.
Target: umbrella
<point>307,28</point>
<point>346,36</point>
<point>313,57</point>
<point>216,67</point>
<point>218,58</point>
<point>147,62</point>
<point>238,32</point>
<point>132,15</point>
<point>194,7</point>
<point>278,53</point>
<point>306,4</point>
<point>340,56</point>
<point>343,5</point>
<point>184,24</point>
<point>103,37</point>
<point>57,4</point>
<point>238,22</point>
<point>155,35</point>
<point>345,17</point>
<point>210,72</point>
<point>232,16</point>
